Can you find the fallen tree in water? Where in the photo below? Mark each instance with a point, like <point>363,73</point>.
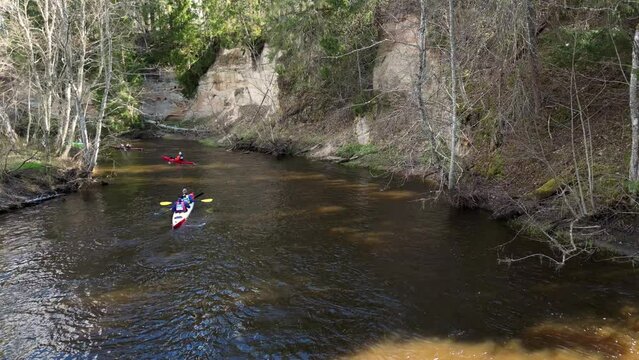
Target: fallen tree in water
<point>277,148</point>
<point>171,128</point>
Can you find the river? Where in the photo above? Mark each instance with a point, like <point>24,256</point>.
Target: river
<point>292,259</point>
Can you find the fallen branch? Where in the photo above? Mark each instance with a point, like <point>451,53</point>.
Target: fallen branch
<point>42,198</point>
<point>168,127</point>
<point>356,50</point>
<point>23,163</point>
<point>307,150</point>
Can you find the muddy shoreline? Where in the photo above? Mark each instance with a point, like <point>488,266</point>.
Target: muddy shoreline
<point>31,187</point>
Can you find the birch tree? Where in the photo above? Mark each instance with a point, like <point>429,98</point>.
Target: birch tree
<point>453,97</point>
<point>63,51</point>
<point>106,62</point>
<point>634,109</point>
<point>422,72</point>
<point>8,97</point>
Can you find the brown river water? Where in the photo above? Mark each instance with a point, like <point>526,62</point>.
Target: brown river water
<point>292,260</point>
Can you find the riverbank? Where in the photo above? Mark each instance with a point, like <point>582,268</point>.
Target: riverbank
<point>514,190</point>
<point>306,243</point>
<point>35,182</point>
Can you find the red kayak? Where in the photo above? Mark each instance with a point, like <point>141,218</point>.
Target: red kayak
<point>171,160</point>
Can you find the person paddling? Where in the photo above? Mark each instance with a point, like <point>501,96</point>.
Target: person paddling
<point>180,206</point>
<point>183,202</point>
<point>187,197</point>
<point>180,156</point>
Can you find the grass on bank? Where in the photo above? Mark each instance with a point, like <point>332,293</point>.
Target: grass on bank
<point>211,142</point>
<point>25,161</point>
<point>354,149</point>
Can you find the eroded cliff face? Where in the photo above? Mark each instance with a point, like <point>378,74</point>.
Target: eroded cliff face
<point>161,96</point>
<point>237,87</point>
<point>396,70</point>
<point>240,94</point>
<point>397,57</point>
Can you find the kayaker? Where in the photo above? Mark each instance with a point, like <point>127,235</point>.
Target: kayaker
<point>180,206</point>
<point>188,198</point>
<point>180,156</point>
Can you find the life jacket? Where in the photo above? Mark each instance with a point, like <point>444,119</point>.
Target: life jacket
<point>188,198</point>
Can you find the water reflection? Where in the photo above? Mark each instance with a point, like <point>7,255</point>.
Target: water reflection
<point>292,259</point>
<point>444,349</point>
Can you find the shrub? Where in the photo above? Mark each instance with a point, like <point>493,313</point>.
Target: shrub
<point>350,150</point>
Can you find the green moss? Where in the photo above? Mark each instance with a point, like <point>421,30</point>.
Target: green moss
<point>608,185</point>
<point>496,166</point>
<point>18,166</point>
<point>35,165</point>
<point>528,228</point>
<point>492,167</point>
<point>610,190</point>
<point>364,103</point>
<point>350,150</point>
<point>549,188</point>
<point>560,118</point>
<point>536,229</point>
<point>487,128</point>
<point>632,186</point>
<point>380,161</point>
<point>211,142</point>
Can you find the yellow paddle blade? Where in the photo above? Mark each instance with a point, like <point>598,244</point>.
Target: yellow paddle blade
<point>206,200</point>
<point>166,203</point>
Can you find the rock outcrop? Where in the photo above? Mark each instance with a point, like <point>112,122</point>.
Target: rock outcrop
<point>161,96</point>
<point>397,57</point>
<point>394,77</point>
<point>236,87</point>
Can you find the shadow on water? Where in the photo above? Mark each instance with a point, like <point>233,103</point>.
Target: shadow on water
<point>293,259</point>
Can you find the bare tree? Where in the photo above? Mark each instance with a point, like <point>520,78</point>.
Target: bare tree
<point>634,109</point>
<point>531,40</point>
<point>68,47</point>
<point>453,96</point>
<point>421,81</point>
<point>106,59</point>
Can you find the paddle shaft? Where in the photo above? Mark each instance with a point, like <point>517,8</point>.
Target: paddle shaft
<point>167,203</point>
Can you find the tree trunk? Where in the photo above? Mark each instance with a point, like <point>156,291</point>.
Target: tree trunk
<point>634,109</point>
<point>7,129</point>
<point>419,84</point>
<point>533,56</point>
<point>29,116</point>
<point>453,94</point>
<point>106,55</point>
<point>64,127</point>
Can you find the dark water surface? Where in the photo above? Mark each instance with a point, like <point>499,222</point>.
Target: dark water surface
<point>293,259</point>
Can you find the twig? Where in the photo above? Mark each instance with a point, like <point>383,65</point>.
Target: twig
<point>356,50</point>
<point>23,163</point>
